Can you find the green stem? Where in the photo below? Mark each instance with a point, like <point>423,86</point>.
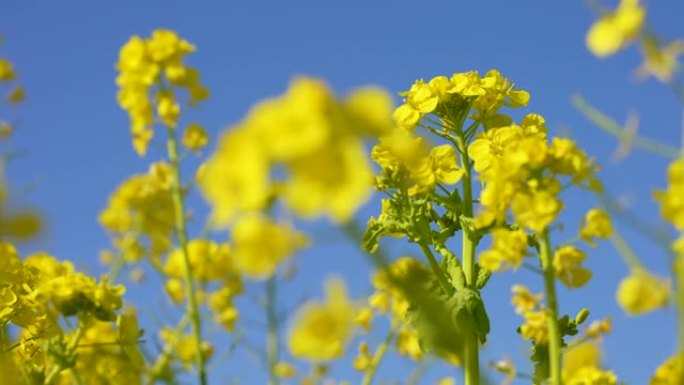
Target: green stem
<point>471,348</point>
<point>181,232</point>
<point>272,345</point>
<point>446,286</point>
<point>377,357</point>
<point>613,128</point>
<point>552,310</point>
<point>625,251</point>
<point>70,351</point>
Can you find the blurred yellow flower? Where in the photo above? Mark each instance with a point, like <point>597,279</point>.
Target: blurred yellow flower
<point>641,292</point>
<point>616,29</point>
<point>322,330</point>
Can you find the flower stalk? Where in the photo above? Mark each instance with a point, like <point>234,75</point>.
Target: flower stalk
<point>181,232</point>
<point>554,339</point>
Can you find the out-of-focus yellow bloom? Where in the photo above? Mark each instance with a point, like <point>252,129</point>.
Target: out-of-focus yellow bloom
<point>672,200</point>
<point>566,263</point>
<point>614,30</point>
<point>6,71</point>
<point>261,245</point>
<point>535,327</point>
<point>523,300</point>
<point>194,137</point>
<point>364,319</point>
<point>184,347</point>
<point>284,370</point>
<point>408,343</point>
<point>581,366</point>
<point>641,292</point>
<point>235,178</point>
<point>16,95</point>
<point>209,261</point>
<point>598,328</point>
<point>322,330</point>
<point>334,181</point>
<point>314,141</point>
<point>364,359</point>
<point>660,61</point>
<point>596,224</point>
<point>446,381</point>
<point>507,250</point>
<point>671,372</point>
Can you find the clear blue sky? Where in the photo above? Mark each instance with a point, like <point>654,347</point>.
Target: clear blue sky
<point>78,144</point>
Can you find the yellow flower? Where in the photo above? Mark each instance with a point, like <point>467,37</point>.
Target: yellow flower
<point>209,261</point>
<point>6,70</point>
<point>596,225</point>
<point>235,178</point>
<point>660,61</point>
<point>142,63</point>
<point>194,137</point>
<point>261,245</point>
<point>523,300</point>
<point>581,366</point>
<point>599,327</point>
<point>536,209</point>
<point>642,292</point>
<point>364,319</point>
<point>335,181</point>
<point>614,30</point>
<point>408,343</point>
<point>439,167</point>
<point>535,327</point>
<point>672,200</point>
<point>364,359</point>
<point>370,111</point>
<point>566,263</point>
<point>284,370</point>
<point>322,330</point>
<point>507,250</point>
<point>671,372</point>
<point>16,95</point>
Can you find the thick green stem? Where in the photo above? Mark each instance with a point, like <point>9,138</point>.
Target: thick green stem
<point>272,343</point>
<point>552,310</point>
<point>471,349</point>
<point>181,232</point>
<point>377,357</point>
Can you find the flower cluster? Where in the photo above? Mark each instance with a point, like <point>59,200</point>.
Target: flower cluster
<point>155,65</point>
<point>140,216</point>
<point>316,139</point>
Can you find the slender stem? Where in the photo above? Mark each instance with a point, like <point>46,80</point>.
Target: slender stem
<point>552,310</point>
<point>377,357</point>
<point>272,343</point>
<point>625,251</point>
<point>179,216</point>
<point>70,351</point>
<point>471,348</point>
<point>613,128</point>
<point>448,289</point>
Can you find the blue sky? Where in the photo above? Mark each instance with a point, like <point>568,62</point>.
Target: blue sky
<point>77,142</point>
